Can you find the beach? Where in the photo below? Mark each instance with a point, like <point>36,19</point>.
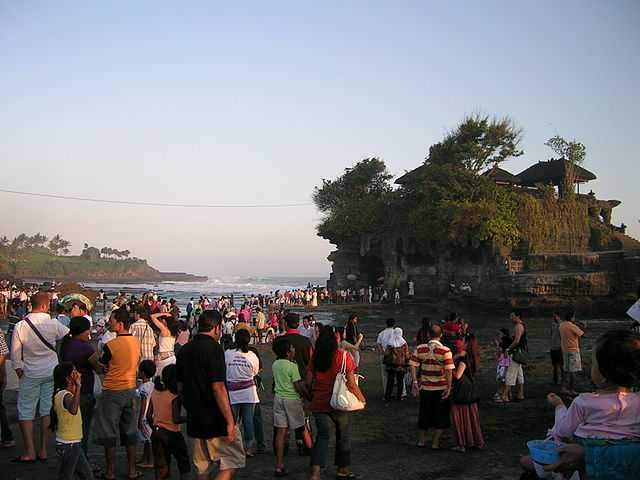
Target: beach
<point>384,435</point>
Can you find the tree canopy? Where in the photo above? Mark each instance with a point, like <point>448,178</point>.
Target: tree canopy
<point>446,201</point>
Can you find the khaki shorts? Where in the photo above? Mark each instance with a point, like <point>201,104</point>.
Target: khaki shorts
<point>572,361</point>
<point>230,455</point>
<point>287,413</point>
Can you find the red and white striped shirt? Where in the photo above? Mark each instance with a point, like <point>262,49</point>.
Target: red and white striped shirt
<point>433,358</point>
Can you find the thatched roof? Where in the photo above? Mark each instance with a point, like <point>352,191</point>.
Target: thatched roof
<point>411,176</point>
<point>554,172</point>
<point>499,175</point>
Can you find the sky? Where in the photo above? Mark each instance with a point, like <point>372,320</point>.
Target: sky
<point>254,103</point>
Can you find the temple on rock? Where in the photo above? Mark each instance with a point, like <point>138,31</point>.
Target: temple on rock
<point>568,255</point>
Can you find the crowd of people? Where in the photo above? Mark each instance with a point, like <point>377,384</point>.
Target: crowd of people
<point>152,363</point>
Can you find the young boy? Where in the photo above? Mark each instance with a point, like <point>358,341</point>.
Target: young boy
<point>146,371</point>
<point>287,408</point>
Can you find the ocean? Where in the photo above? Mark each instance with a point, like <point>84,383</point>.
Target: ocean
<point>214,287</point>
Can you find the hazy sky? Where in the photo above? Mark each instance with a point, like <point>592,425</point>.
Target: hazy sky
<point>254,102</point>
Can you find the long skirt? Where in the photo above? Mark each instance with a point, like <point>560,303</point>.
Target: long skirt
<point>466,425</point>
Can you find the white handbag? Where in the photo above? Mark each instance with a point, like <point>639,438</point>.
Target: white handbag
<point>342,399</point>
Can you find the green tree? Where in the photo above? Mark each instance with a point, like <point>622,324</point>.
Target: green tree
<point>355,202</point>
<point>478,143</point>
<point>575,153</point>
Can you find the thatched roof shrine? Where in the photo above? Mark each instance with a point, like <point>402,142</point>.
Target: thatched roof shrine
<point>501,176</point>
<point>411,176</point>
<point>553,172</point>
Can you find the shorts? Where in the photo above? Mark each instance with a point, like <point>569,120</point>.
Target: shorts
<point>572,362</point>
<point>514,374</point>
<point>116,414</point>
<point>433,410</point>
<point>166,443</point>
<point>287,413</point>
<point>33,391</point>
<point>230,455</point>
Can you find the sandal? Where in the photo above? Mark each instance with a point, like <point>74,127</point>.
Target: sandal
<point>346,476</point>
<point>280,473</point>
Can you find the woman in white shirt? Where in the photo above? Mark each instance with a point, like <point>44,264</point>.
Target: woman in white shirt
<point>242,366</point>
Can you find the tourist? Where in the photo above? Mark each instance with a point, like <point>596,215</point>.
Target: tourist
<point>183,337</point>
<point>352,332</point>
<point>261,322</point>
<point>464,412</point>
<point>610,415</point>
<point>201,389</point>
<point>146,372</point>
<point>67,423</point>
<point>174,310</point>
<point>141,329</point>
<point>242,366</point>
<point>353,349</point>
<point>117,412</point>
<point>80,309</point>
<point>555,349</point>
<point>396,297</point>
<point>421,335</point>
<point>411,286</point>
<point>306,329</point>
<point>435,363</point>
<point>384,337</point>
<point>515,374</point>
<point>61,317</point>
<point>34,357</point>
<point>302,344</point>
<point>397,360</point>
<point>5,431</point>
<point>320,376</point>
<point>168,327</point>
<point>287,407</point>
<point>503,360</point>
<point>164,415</point>
<point>75,348</point>
<point>572,363</point>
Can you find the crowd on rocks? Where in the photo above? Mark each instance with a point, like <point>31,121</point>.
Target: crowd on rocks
<point>152,362</point>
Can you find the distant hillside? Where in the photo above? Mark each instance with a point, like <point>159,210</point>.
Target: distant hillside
<point>47,266</point>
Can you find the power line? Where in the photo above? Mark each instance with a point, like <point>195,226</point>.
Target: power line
<point>151,204</point>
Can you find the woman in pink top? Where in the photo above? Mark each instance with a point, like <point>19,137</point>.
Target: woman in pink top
<point>611,414</point>
<point>164,414</point>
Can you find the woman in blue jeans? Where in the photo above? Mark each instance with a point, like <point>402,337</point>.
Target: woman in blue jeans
<point>321,374</point>
<point>242,366</point>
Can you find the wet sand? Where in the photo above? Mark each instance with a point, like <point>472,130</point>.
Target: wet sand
<point>385,434</point>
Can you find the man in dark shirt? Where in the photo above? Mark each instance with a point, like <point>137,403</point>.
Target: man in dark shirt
<point>302,344</point>
<point>351,333</point>
<point>201,375</point>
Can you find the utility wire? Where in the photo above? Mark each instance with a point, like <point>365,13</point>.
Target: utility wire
<point>151,204</point>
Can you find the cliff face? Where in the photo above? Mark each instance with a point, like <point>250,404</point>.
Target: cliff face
<point>598,281</point>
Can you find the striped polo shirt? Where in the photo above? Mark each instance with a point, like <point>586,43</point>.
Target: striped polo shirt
<point>433,359</point>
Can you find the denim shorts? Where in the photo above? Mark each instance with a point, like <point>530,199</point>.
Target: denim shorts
<point>116,415</point>
<point>33,391</point>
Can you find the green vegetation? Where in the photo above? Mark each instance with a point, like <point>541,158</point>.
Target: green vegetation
<point>451,199</point>
<point>33,257</point>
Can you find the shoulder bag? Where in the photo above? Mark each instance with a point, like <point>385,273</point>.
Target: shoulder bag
<point>342,399</point>
<point>39,335</point>
<point>521,355</point>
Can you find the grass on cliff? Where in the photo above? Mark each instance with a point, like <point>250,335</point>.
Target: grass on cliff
<point>35,264</point>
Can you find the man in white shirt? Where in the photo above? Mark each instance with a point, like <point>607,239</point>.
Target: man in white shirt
<point>384,337</point>
<point>306,330</point>
<point>34,362</point>
<point>79,309</point>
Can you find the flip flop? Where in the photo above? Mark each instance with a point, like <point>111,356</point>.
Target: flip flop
<point>420,446</point>
<point>436,448</point>
<point>23,460</point>
<point>281,473</point>
<point>40,459</point>
<point>104,477</point>
<point>138,475</point>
